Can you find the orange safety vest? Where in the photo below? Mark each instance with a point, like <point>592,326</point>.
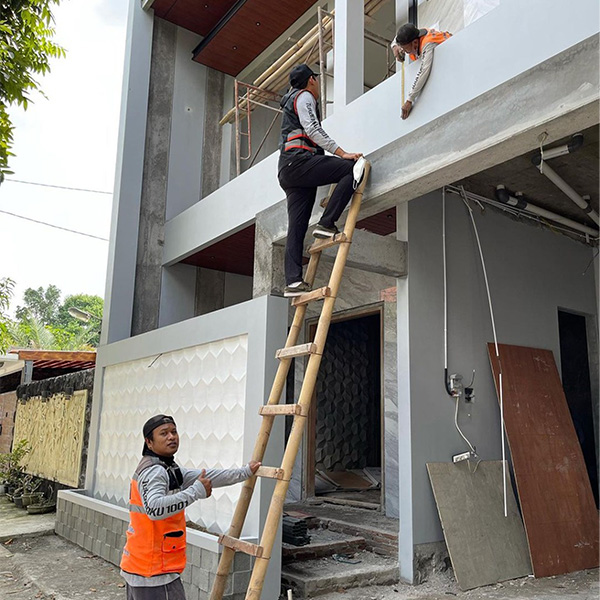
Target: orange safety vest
<point>152,547</point>
<point>432,36</point>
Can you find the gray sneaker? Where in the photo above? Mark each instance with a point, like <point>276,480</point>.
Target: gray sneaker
<point>296,290</point>
<point>322,232</point>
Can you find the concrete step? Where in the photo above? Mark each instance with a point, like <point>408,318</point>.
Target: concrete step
<point>379,531</point>
<point>311,578</point>
<point>323,543</point>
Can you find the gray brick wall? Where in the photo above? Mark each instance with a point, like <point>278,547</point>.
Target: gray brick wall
<point>104,536</point>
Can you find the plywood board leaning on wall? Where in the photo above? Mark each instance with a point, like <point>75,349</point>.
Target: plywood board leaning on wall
<point>485,547</point>
<point>559,512</point>
<point>55,429</point>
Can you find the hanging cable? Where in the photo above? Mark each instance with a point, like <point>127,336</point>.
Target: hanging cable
<point>58,187</point>
<point>446,382</point>
<point>487,287</point>
<point>96,237</point>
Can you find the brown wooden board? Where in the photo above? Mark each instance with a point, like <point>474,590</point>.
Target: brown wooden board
<point>559,512</point>
<point>485,547</point>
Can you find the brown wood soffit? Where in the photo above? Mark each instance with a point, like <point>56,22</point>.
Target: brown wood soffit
<point>234,254</point>
<point>196,15</point>
<point>248,28</point>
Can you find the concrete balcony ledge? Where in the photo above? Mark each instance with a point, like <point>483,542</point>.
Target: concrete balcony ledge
<point>473,63</point>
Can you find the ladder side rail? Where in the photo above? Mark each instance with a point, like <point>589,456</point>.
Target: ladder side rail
<point>241,509</point>
<point>310,377</point>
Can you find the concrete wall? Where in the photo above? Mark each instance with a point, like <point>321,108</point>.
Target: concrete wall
<point>371,122</point>
<point>532,272</point>
<point>8,407</point>
<point>263,321</point>
<point>100,528</point>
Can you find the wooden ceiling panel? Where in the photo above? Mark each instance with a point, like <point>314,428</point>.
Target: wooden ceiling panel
<point>382,223</point>
<point>199,16</point>
<point>234,44</point>
<point>234,254</point>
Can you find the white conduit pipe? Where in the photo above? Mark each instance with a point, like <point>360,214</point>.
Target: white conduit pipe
<point>500,386</point>
<point>504,196</point>
<point>539,160</point>
<point>562,185</point>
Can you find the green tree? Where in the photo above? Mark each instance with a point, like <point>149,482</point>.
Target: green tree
<point>80,332</point>
<point>26,47</point>
<point>43,304</point>
<point>44,322</point>
<point>6,292</point>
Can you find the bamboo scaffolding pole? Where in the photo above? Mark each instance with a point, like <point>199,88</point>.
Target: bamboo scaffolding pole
<point>297,53</point>
<point>279,70</point>
<point>310,378</point>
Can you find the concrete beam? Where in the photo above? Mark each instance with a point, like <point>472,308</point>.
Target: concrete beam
<point>374,253</point>
<point>491,129</point>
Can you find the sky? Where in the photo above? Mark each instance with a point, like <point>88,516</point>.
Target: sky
<point>69,140</point>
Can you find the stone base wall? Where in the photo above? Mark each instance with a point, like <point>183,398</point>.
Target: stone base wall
<point>100,527</point>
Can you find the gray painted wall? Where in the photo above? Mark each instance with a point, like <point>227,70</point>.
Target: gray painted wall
<point>532,272</point>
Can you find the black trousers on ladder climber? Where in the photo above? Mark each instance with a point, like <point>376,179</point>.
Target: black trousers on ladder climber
<point>299,412</point>
<point>300,176</point>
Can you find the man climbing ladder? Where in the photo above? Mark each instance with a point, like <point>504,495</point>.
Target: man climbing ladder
<point>299,412</point>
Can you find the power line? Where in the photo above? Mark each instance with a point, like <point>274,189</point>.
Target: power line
<point>96,237</point>
<point>59,187</point>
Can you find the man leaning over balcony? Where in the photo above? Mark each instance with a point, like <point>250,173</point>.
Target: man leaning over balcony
<point>417,43</point>
<point>155,552</point>
<point>303,167</point>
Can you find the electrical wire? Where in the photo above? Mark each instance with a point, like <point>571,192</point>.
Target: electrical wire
<point>489,296</point>
<point>58,187</point>
<point>446,381</point>
<point>515,212</point>
<point>96,237</point>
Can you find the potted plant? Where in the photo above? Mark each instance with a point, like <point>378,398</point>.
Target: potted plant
<point>12,471</point>
<point>30,496</point>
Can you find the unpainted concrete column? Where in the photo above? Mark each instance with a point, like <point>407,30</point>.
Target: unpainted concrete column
<point>349,59</point>
<point>213,133</point>
<point>146,300</point>
<point>210,291</point>
<point>269,276</point>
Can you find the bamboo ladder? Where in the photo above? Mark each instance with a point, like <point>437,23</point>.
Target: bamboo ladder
<point>231,542</point>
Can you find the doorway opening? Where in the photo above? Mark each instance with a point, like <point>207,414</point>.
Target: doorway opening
<point>575,371</point>
<point>344,449</point>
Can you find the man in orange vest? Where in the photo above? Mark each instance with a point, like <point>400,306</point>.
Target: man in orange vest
<point>155,552</point>
<point>417,43</point>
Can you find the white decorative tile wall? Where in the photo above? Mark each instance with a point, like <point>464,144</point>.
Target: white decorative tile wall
<point>204,389</point>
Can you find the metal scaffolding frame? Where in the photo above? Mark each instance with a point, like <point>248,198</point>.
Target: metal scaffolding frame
<point>311,47</point>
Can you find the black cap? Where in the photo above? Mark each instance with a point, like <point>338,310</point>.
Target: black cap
<point>408,33</point>
<point>299,76</point>
<point>151,424</point>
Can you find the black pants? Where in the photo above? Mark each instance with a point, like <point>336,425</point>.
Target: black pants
<point>171,591</point>
<point>300,176</point>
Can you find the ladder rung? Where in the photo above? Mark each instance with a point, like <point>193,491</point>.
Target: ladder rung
<point>241,546</point>
<point>317,294</point>
<point>271,410</point>
<point>320,245</point>
<point>293,351</point>
<point>270,472</point>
